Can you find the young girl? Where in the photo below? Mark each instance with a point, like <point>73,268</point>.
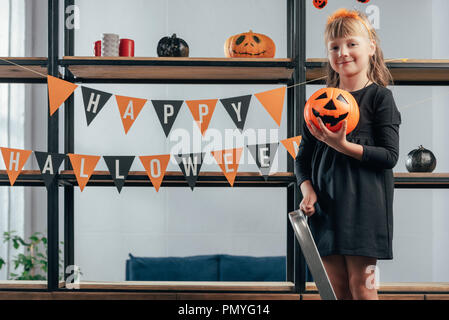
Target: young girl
<point>347,180</point>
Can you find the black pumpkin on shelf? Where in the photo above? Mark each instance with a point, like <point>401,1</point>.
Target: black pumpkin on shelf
<point>420,160</point>
<point>172,47</point>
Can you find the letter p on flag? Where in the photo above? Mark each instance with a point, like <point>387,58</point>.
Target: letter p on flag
<point>202,111</point>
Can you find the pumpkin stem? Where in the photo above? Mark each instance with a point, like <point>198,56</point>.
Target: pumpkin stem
<point>421,147</point>
<point>174,36</point>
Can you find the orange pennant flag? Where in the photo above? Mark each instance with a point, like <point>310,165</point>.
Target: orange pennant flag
<point>83,167</point>
<point>273,102</point>
<point>292,145</point>
<point>14,159</point>
<point>202,111</point>
<point>129,110</point>
<point>58,92</point>
<point>155,167</point>
<point>228,160</point>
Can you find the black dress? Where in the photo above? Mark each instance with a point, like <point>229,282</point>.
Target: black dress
<point>354,211</point>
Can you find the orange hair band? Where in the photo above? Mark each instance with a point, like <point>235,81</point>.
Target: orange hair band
<point>344,13</point>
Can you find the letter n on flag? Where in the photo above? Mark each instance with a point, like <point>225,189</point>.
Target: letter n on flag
<point>14,159</point>
<point>202,111</point>
<point>83,167</point>
<point>155,167</point>
<point>292,145</point>
<point>58,92</point>
<point>228,160</point>
<point>273,102</point>
<point>129,110</point>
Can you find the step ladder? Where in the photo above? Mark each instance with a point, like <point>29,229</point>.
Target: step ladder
<point>310,252</point>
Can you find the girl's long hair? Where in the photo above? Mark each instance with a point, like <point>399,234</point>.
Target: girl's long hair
<point>341,27</point>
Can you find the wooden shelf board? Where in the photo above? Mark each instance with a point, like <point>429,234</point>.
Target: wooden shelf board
<point>36,64</point>
<point>381,297</point>
<point>26,284</point>
<point>213,177</point>
<point>180,68</point>
<point>410,70</point>
<point>386,287</point>
<point>190,286</point>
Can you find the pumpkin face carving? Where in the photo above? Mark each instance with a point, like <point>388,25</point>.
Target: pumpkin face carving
<point>249,45</point>
<point>319,4</point>
<point>332,105</point>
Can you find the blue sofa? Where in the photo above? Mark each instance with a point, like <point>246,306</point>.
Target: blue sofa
<point>218,267</point>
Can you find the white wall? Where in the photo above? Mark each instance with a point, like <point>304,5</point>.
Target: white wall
<point>177,221</point>
<point>440,48</point>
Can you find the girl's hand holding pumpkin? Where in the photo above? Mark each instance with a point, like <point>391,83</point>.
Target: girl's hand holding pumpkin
<point>336,140</point>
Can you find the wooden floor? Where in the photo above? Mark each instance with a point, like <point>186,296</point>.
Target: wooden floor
<point>17,295</point>
<point>142,290</point>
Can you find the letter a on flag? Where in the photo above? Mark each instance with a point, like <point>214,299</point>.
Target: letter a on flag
<point>129,109</point>
<point>292,145</point>
<point>83,167</point>
<point>202,111</point>
<point>273,102</point>
<point>14,159</point>
<point>58,92</point>
<point>155,167</point>
<point>228,160</point>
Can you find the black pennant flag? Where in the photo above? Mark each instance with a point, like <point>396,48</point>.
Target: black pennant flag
<point>119,167</point>
<point>237,108</point>
<point>167,111</point>
<point>94,101</point>
<point>49,164</point>
<point>264,154</point>
<point>190,165</point>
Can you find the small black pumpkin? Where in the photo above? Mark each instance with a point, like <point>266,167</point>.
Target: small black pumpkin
<point>420,160</point>
<point>363,1</point>
<point>172,47</point>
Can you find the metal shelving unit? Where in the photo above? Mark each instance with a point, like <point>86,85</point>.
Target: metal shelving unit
<point>294,69</point>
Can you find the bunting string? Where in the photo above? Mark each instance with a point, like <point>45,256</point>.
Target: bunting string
<point>166,110</point>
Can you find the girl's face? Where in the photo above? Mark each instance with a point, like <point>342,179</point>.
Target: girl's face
<point>349,56</point>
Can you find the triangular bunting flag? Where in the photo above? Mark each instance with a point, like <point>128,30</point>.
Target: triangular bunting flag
<point>273,102</point>
<point>202,111</point>
<point>119,167</point>
<point>129,110</point>
<point>228,160</point>
<point>155,167</point>
<point>14,159</point>
<point>94,101</point>
<point>49,164</point>
<point>190,165</point>
<point>263,154</point>
<point>292,145</point>
<point>167,111</point>
<point>237,108</point>
<point>83,167</point>
<point>58,92</point>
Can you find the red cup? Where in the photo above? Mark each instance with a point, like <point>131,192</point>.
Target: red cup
<point>98,48</point>
<point>126,48</point>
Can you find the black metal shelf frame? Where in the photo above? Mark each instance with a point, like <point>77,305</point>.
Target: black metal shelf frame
<point>296,44</point>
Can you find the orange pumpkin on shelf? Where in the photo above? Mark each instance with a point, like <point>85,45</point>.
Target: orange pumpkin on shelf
<point>332,105</point>
<point>249,45</point>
